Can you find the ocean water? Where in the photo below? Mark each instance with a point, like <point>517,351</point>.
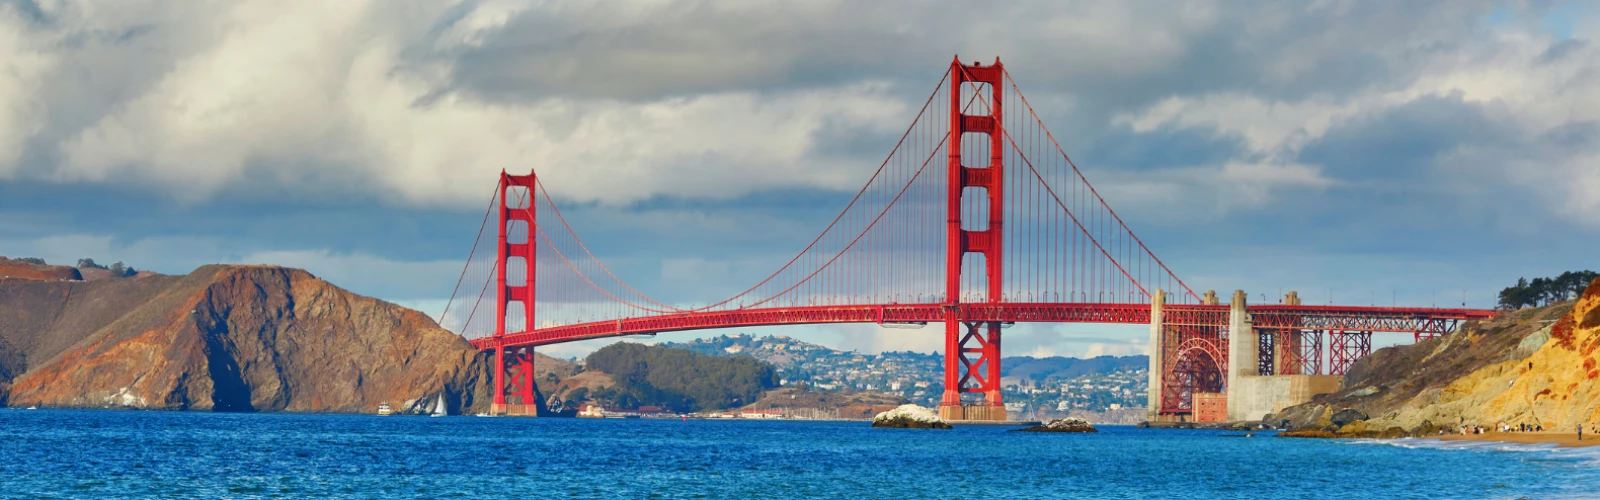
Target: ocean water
<point>74,454</point>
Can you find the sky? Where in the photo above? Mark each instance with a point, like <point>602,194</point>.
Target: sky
<point>1415,153</point>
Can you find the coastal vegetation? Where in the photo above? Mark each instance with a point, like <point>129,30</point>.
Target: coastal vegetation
<point>1536,367</point>
<point>1545,291</point>
<point>678,379</point>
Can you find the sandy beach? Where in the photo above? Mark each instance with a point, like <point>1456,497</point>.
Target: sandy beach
<point>1561,439</point>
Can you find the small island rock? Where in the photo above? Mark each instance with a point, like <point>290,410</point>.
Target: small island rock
<point>909,417</point>
<point>1069,424</point>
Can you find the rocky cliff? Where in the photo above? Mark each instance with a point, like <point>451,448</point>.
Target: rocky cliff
<point>227,338</point>
<point>14,269</point>
<point>1535,366</point>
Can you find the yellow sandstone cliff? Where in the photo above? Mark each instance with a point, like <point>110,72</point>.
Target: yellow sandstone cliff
<point>1556,386</point>
<point>1537,366</point>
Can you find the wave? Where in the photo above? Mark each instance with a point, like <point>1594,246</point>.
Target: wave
<point>1589,455</point>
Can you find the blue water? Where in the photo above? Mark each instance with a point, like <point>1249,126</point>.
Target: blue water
<point>70,454</point>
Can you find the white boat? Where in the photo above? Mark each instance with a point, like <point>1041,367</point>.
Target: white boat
<point>438,408</point>
<point>383,410</point>
<point>33,407</point>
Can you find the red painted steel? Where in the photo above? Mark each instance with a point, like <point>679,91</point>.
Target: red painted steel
<point>522,293</point>
<point>520,369</point>
<point>863,313</point>
<point>1197,365</point>
<point>1051,250</point>
<point>963,373</point>
<point>1345,348</point>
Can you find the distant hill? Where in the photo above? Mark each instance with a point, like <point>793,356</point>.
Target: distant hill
<point>678,379</point>
<point>918,377</point>
<point>1057,367</point>
<point>33,269</point>
<point>786,352</point>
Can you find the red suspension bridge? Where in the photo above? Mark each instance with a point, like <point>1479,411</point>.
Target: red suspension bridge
<point>977,218</point>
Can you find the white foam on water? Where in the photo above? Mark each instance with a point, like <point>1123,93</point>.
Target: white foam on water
<point>1587,459</point>
<point>1586,455</point>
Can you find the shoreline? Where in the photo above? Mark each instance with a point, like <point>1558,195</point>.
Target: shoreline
<point>1561,439</point>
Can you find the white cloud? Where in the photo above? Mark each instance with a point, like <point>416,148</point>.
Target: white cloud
<point>1536,83</point>
<point>367,274</point>
<point>620,102</point>
<point>22,72</point>
<point>310,93</point>
<point>1208,192</point>
<point>1102,349</point>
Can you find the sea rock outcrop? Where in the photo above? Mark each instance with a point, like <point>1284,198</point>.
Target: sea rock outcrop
<point>228,338</point>
<point>909,417</point>
<point>1069,424</point>
<point>1536,366</point>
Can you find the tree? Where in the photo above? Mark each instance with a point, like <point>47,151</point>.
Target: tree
<point>32,260</point>
<point>678,378</point>
<point>88,263</point>
<point>1539,292</point>
<point>1546,291</point>
<point>1577,282</point>
<point>120,271</point>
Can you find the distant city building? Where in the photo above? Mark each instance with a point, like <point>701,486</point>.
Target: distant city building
<point>918,377</point>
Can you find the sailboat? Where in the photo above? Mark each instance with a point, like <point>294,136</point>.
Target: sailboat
<point>438,408</point>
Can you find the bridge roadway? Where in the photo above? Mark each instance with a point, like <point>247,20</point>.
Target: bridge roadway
<point>1355,318</point>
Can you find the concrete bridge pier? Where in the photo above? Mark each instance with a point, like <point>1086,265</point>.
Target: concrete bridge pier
<point>1243,349</point>
<point>1153,390</point>
<point>1251,394</point>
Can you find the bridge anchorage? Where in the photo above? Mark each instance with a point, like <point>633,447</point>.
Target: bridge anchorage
<point>1009,232</point>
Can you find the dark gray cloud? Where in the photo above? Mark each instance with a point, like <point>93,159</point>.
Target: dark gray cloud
<point>1345,144</point>
<point>1402,144</point>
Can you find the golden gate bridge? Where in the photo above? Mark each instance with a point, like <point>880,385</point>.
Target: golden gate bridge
<point>977,218</point>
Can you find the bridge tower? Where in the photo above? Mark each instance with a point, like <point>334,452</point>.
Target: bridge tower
<point>964,339</point>
<point>517,251</point>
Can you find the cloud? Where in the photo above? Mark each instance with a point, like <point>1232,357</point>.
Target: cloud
<point>419,103</point>
<point>21,76</point>
<point>1506,100</point>
<point>696,145</point>
<point>331,98</point>
<point>367,274</point>
<point>1207,193</point>
<point>1099,349</point>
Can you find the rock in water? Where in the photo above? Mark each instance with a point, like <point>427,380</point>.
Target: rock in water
<point>1069,424</point>
<point>909,417</point>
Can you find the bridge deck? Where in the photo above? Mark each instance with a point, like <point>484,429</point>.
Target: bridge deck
<point>1382,319</point>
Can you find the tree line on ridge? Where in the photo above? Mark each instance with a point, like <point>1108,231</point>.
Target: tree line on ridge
<point>1545,291</point>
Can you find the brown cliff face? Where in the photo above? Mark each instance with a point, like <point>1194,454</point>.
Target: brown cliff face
<point>229,338</point>
<point>17,269</point>
<point>1536,366</point>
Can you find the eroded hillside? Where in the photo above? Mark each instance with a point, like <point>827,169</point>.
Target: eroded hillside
<point>227,338</point>
<point>1535,366</point>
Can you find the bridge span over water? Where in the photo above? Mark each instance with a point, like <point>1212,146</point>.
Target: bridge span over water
<point>976,218</point>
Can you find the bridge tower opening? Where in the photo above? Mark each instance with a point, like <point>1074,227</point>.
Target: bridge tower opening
<point>972,348</point>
